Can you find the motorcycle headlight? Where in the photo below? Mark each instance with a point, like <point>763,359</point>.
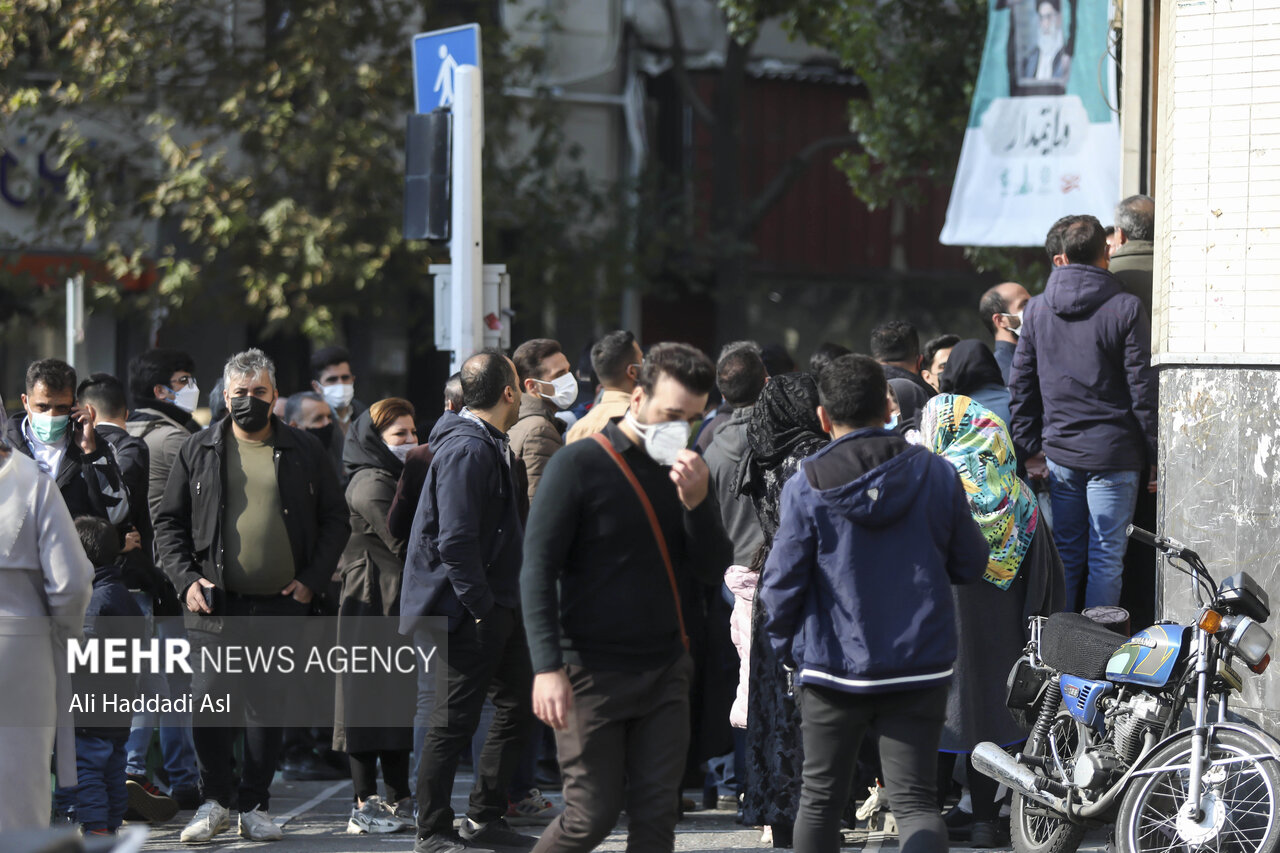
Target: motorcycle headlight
<point>1250,640</point>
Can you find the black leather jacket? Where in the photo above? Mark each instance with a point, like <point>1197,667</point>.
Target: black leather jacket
<point>189,539</point>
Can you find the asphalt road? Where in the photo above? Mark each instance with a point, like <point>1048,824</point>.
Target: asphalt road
<point>315,814</point>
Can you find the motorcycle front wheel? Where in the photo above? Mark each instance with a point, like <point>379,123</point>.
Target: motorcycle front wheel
<point>1240,810</point>
<point>1035,828</point>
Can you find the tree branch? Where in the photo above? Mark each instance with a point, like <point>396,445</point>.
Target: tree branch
<point>695,103</point>
<point>786,176</point>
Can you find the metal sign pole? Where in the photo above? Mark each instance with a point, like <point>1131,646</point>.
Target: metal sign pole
<point>466,248</point>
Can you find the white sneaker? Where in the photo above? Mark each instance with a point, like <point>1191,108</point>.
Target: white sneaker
<point>210,819</point>
<point>533,810</point>
<point>373,816</point>
<point>257,825</point>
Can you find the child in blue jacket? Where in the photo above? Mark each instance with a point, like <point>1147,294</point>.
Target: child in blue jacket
<point>873,532</point>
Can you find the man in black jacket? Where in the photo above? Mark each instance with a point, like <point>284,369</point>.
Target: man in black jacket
<point>1084,406</point>
<point>606,631</point>
<point>61,436</point>
<point>461,594</point>
<point>253,513</point>
<point>896,345</point>
<point>154,596</point>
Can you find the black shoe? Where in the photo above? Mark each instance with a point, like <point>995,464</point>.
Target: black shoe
<point>149,802</point>
<point>188,799</point>
<point>495,833</point>
<point>983,835</point>
<point>446,842</point>
<point>959,824</point>
<point>309,767</point>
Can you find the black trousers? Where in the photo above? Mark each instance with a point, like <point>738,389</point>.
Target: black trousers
<point>485,659</point>
<point>395,774</point>
<point>626,744</point>
<point>214,739</point>
<point>909,724</point>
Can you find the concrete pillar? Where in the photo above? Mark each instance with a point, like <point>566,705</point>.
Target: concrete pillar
<point>1216,331</point>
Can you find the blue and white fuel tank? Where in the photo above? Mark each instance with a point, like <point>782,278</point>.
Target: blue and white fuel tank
<point>1149,657</point>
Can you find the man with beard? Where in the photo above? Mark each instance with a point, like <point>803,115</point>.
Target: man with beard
<point>621,525</point>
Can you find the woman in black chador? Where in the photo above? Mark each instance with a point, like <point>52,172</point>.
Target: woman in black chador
<point>784,430</point>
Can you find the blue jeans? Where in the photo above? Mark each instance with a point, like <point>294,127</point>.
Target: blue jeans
<point>176,745</point>
<point>99,799</point>
<point>1091,510</point>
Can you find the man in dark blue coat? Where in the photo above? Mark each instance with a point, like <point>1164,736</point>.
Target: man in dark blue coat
<point>857,592</point>
<point>1084,406</point>
<point>461,593</point>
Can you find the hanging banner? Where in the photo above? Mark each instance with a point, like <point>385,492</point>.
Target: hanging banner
<point>1043,140</point>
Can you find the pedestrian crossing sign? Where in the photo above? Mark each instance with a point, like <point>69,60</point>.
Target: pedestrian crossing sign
<point>437,55</point>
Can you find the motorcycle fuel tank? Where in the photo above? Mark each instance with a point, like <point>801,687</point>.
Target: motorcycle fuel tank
<point>1149,657</point>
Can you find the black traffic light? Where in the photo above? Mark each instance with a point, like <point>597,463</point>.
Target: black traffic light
<point>428,161</point>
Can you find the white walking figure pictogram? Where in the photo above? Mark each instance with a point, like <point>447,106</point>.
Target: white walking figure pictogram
<point>444,79</point>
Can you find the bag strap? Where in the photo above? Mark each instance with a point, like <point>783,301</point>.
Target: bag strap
<point>653,523</point>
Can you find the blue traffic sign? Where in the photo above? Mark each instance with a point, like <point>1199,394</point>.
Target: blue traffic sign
<point>436,56</point>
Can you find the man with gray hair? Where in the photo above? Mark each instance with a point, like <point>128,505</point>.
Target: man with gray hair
<point>252,523</point>
<point>1132,261</point>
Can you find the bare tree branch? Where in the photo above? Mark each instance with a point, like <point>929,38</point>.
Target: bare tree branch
<point>681,73</point>
<point>787,175</point>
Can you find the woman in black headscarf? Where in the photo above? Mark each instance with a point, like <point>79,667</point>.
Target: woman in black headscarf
<point>784,430</point>
<point>972,372</point>
<point>371,568</point>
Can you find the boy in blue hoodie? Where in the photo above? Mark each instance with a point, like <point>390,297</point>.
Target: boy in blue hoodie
<point>856,591</point>
<point>100,797</point>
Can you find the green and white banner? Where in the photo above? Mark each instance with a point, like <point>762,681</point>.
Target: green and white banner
<point>1043,139</point>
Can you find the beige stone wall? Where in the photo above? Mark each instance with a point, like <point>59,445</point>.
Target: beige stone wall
<point>1218,184</point>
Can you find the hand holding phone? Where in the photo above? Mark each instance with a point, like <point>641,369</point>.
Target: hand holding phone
<point>83,420</point>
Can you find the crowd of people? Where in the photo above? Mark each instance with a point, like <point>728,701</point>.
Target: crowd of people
<point>735,572</point>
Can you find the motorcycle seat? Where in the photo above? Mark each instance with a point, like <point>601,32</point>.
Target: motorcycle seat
<point>1075,644</point>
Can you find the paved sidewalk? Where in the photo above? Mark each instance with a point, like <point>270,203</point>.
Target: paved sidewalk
<point>317,812</point>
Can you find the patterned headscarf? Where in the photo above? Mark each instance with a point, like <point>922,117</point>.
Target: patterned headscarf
<point>975,440</point>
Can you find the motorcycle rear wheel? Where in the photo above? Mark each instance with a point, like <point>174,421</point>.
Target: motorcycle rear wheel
<point>1035,828</point>
<point>1241,801</point>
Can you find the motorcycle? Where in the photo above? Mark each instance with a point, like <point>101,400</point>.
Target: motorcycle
<point>1108,742</point>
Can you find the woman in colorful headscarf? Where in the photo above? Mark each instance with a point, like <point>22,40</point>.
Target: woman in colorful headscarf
<point>1023,579</point>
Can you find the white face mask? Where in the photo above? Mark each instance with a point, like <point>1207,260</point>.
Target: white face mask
<point>1017,330</point>
<point>662,441</point>
<point>188,398</point>
<point>339,395</point>
<point>402,450</point>
<point>564,388</point>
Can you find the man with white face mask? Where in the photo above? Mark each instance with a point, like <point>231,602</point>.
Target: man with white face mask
<point>549,386</point>
<point>162,383</point>
<point>620,528</point>
<point>1001,309</point>
<point>331,378</point>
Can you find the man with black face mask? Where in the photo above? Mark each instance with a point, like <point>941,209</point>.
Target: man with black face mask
<point>308,411</point>
<point>274,523</point>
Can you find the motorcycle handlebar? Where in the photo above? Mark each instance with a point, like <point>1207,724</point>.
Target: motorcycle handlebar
<point>1160,543</point>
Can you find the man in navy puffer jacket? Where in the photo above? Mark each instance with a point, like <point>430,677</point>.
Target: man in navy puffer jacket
<point>1084,406</point>
<point>857,598</point>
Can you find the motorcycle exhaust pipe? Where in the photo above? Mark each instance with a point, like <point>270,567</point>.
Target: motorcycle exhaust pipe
<point>990,760</point>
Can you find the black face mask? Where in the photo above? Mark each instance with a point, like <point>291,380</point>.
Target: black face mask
<point>324,433</point>
<point>250,413</point>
